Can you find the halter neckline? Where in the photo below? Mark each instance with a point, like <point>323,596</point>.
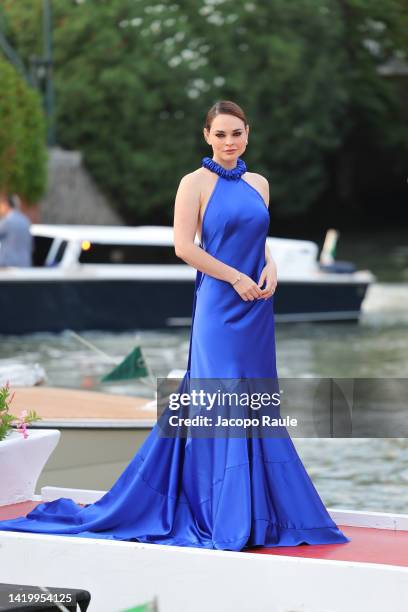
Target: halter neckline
<point>231,174</point>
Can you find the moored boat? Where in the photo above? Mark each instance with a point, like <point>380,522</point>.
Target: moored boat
<point>123,278</point>
<point>100,432</point>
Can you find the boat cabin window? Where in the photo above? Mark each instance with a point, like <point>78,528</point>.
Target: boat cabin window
<point>42,245</point>
<point>48,251</point>
<point>94,253</point>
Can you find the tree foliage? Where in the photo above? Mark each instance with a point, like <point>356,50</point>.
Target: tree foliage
<point>134,80</point>
<point>22,137</point>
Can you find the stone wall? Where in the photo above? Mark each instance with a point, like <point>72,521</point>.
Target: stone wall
<point>72,196</point>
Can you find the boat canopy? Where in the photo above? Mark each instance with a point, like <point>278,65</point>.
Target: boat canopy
<point>107,234</point>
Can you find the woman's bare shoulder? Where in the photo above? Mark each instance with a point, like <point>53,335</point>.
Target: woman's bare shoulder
<point>258,182</point>
<point>258,178</point>
<point>197,182</point>
<point>193,179</point>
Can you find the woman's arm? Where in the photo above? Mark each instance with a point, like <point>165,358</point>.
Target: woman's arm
<point>186,212</point>
<point>269,273</point>
<point>268,257</point>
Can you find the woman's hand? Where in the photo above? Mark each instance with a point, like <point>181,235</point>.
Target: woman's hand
<point>247,288</point>
<point>268,274</point>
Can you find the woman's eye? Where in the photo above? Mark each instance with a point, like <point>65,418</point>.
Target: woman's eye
<point>222,135</point>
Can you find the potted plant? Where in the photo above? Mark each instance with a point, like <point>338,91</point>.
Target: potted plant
<point>22,454</point>
<point>8,420</point>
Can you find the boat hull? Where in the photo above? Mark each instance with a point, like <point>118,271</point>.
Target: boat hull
<point>120,305</point>
<point>99,433</point>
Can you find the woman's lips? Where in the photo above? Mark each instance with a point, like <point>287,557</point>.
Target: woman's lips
<point>231,151</point>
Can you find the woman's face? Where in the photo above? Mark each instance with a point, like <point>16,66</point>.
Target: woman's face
<point>228,137</point>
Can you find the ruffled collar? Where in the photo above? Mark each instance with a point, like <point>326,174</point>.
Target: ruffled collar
<point>231,174</point>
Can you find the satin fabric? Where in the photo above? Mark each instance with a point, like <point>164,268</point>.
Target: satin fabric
<point>224,493</point>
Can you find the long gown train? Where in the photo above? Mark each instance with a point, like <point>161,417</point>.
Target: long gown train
<point>226,492</point>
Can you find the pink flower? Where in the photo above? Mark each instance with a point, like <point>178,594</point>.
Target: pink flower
<point>21,424</point>
<point>22,428</point>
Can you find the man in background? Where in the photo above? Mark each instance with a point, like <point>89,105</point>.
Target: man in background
<point>16,243</point>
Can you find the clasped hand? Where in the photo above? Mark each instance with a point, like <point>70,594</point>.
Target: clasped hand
<point>250,291</point>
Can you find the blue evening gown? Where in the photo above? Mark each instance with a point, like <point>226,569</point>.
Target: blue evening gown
<point>227,492</point>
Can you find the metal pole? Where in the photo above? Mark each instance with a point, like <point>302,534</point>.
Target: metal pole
<point>49,84</point>
<point>13,57</point>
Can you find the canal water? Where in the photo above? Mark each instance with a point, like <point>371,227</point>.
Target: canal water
<point>352,473</point>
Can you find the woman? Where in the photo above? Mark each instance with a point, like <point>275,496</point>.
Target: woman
<point>221,491</point>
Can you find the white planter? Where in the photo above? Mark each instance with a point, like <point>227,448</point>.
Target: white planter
<point>21,463</point>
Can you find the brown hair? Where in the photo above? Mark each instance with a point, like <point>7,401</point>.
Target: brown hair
<point>225,107</point>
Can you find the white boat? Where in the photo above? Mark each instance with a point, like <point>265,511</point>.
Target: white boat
<point>122,278</point>
<point>368,574</point>
<point>100,432</point>
<point>21,374</point>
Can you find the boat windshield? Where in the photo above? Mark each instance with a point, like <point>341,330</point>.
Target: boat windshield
<point>94,253</point>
